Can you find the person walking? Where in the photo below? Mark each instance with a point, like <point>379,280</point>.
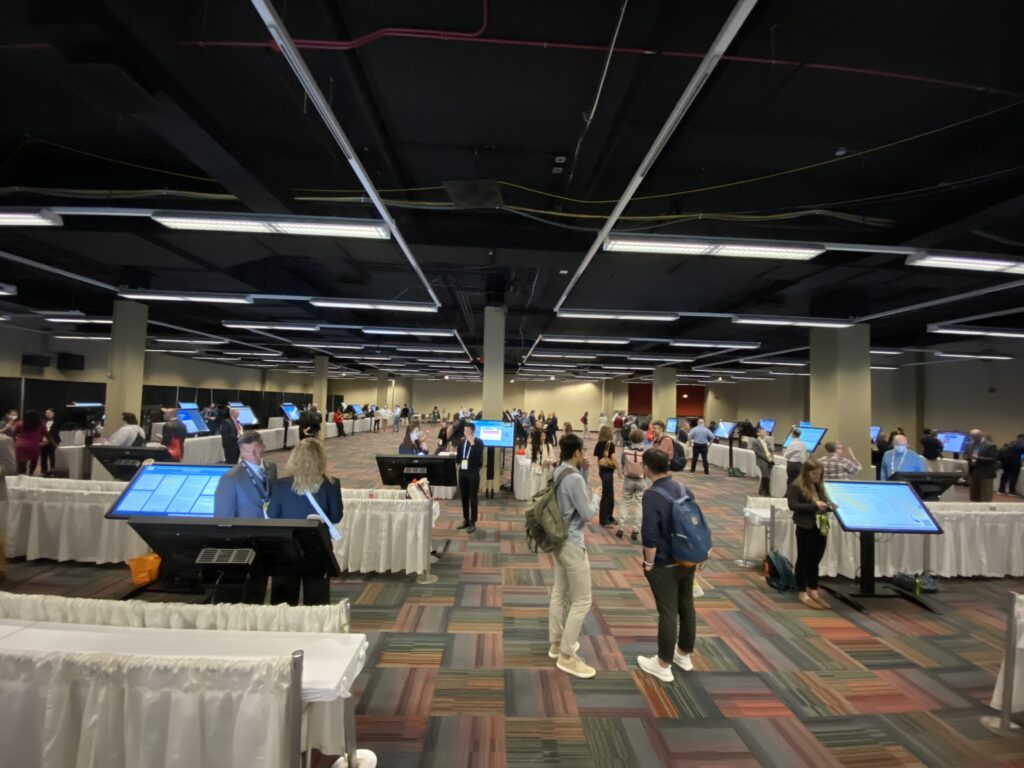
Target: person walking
<point>173,434</point>
<point>671,583</point>
<point>982,455</point>
<point>585,422</point>
<point>633,487</point>
<point>806,500</point>
<point>795,455</point>
<point>48,451</point>
<point>700,437</point>
<point>571,593</point>
<point>604,451</point>
<point>470,457</point>
<point>29,434</point>
<point>396,419</point>
<point>662,441</point>
<point>764,455</point>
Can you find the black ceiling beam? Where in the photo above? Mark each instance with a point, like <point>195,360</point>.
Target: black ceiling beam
<point>1009,208</point>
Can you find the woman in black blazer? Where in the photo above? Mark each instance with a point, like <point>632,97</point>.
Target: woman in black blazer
<point>308,468</point>
<point>810,514</point>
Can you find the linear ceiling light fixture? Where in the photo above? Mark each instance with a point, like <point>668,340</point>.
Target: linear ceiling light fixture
<point>800,322</point>
<point>273,225</point>
<point>190,341</point>
<point>581,314</point>
<point>405,332</point>
<point>314,345</point>
<point>77,318</point>
<point>886,351</point>
<point>717,344</point>
<point>197,298</point>
<point>382,306</point>
<point>686,246</point>
<point>242,325</point>
<point>737,16</point>
<point>36,218</point>
<point>81,337</point>
<point>6,289</point>
<point>969,263</point>
<point>784,363</point>
<point>965,356</point>
<point>974,330</point>
<point>586,340</point>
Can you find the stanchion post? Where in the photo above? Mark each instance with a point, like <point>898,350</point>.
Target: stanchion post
<point>1002,725</point>
<point>295,711</point>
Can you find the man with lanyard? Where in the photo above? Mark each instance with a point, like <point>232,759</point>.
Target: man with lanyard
<point>900,458</point>
<point>244,492</point>
<point>471,460</point>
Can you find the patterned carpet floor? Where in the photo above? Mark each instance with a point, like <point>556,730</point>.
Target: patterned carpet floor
<point>458,674</point>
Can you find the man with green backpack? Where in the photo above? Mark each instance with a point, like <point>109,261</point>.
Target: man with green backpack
<point>555,522</point>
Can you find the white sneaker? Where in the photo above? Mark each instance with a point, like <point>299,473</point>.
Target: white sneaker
<point>576,667</point>
<point>652,666</point>
<point>555,650</point>
<point>683,661</point>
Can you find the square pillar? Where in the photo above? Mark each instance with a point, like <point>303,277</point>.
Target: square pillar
<point>127,363</point>
<point>382,390</point>
<point>663,393</point>
<point>494,362</point>
<point>840,388</point>
<point>320,382</point>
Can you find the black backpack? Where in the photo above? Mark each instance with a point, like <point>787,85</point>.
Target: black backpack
<point>139,441</point>
<point>678,462</point>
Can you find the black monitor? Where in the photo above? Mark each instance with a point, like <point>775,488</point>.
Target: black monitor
<point>952,442</point>
<point>496,434</point>
<point>291,411</point>
<point>123,462</point>
<point>879,507</point>
<point>76,415</point>
<point>300,545</point>
<point>929,485</point>
<point>745,429</point>
<point>768,425</point>
<point>170,490</point>
<point>245,415</point>
<point>402,470</point>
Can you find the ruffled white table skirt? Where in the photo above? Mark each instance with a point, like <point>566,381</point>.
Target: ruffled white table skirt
<point>380,535</point>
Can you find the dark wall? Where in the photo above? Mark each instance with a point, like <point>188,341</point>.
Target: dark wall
<point>45,393</point>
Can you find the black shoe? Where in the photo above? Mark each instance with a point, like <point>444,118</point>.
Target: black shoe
<point>463,525</point>
<point>635,536</point>
<point>706,472</point>
<point>472,528</point>
<point>619,533</point>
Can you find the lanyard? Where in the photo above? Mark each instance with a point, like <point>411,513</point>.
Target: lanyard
<point>465,452</point>
<point>895,466</point>
<point>262,486</point>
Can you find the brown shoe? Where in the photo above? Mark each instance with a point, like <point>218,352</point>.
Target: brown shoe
<point>810,602</point>
<point>822,603</point>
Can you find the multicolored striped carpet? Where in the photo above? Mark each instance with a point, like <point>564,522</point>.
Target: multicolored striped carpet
<point>458,674</point>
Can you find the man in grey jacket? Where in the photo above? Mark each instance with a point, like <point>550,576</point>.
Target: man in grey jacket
<point>578,506</point>
<point>245,490</point>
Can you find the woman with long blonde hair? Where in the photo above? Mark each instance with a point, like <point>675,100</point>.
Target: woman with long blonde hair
<point>308,492</point>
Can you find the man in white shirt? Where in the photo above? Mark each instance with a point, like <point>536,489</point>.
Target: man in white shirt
<point>795,456</point>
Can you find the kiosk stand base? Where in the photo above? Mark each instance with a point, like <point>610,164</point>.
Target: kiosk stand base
<point>868,587</point>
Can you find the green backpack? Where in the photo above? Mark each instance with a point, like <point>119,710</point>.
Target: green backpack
<point>546,529</point>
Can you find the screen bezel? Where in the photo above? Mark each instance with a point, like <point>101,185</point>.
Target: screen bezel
<point>773,422</point>
<point>874,431</point>
<point>672,425</point>
<point>964,435</point>
<point>111,515</point>
<point>789,438</point>
<point>503,425</point>
<point>732,426</point>
<point>913,493</point>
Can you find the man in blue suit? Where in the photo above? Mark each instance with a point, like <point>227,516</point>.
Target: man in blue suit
<point>245,490</point>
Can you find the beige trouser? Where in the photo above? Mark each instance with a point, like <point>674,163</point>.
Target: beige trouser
<point>933,465</point>
<point>572,583</point>
<point>632,495</point>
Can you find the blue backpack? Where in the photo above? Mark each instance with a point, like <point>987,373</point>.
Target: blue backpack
<point>691,537</point>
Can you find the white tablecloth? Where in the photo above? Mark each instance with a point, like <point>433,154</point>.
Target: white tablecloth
<point>978,540</point>
<point>359,425</point>
<point>203,450</point>
<point>71,458</point>
<point>527,483</point>
<point>66,525</point>
<point>779,480</point>
<point>72,437</point>
<point>380,535</point>
<point>1017,694</point>
<point>62,484</point>
<point>275,422</point>
<point>742,458</point>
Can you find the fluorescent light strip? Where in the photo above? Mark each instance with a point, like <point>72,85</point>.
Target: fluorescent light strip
<point>8,290</point>
<point>269,326</point>
<point>784,363</point>
<point>436,350</point>
<point>688,247</point>
<point>717,344</point>
<point>801,322</point>
<point>973,357</point>
<point>885,368</point>
<point>220,359</point>
<point>74,319</point>
<point>69,337</point>
<point>42,218</point>
<point>196,298</point>
<point>581,340</point>
<point>886,352</point>
<point>656,359</point>
<point>314,345</point>
<point>191,341</point>
<point>365,229</point>
<point>752,378</point>
<point>970,330</point>
<point>396,332</point>
<point>556,356</point>
<point>400,306</point>
<point>949,261</point>
<point>788,373</point>
<point>656,317</point>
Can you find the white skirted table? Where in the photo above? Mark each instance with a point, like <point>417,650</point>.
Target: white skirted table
<point>527,482</point>
<point>1017,689</point>
<point>359,425</point>
<point>162,676</point>
<point>984,539</point>
<point>66,524</point>
<point>380,535</point>
<point>742,458</point>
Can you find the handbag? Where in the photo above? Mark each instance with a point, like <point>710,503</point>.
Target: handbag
<point>606,461</point>
<point>331,527</point>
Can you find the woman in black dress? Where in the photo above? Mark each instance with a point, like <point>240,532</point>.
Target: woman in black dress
<point>810,514</point>
<point>605,453</point>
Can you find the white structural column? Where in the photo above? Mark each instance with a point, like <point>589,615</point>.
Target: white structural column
<point>841,388</point>
<point>127,362</point>
<point>663,395</point>
<point>320,382</point>
<point>494,362</point>
<point>911,388</point>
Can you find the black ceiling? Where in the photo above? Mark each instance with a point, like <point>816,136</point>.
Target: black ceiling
<point>882,123</point>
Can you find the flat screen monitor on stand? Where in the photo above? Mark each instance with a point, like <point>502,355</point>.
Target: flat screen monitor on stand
<point>724,428</point>
<point>495,434</point>
<point>123,462</point>
<point>803,424</point>
<point>929,485</point>
<point>672,426</point>
<point>245,415</point>
<point>291,412</point>
<point>190,415</point>
<point>811,436</point>
<point>768,425</point>
<point>869,508</point>
<point>952,442</point>
<point>402,470</point>
<point>875,431</point>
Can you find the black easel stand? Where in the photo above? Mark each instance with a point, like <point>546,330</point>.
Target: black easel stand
<point>868,586</point>
<point>489,494</point>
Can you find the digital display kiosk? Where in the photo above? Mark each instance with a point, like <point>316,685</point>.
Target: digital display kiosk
<point>402,470</point>
<point>245,415</point>
<point>123,462</point>
<point>768,425</point>
<point>929,485</point>
<point>869,508</point>
<point>952,442</point>
<point>496,434</point>
<point>170,490</point>
<point>812,437</point>
<point>724,428</point>
<point>190,415</point>
<point>803,424</point>
<point>672,426</point>
<point>875,431</point>
<point>290,411</point>
<point>357,409</point>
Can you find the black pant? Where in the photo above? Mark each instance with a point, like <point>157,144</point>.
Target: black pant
<point>810,548</point>
<point>607,510</point>
<point>792,471</point>
<point>469,490</point>
<point>701,450</point>
<point>677,622</point>
<point>1008,480</point>
<point>48,457</point>
<point>765,488</point>
<point>316,588</point>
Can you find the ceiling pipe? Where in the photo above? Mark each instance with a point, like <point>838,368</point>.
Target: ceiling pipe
<point>287,47</point>
<point>725,36</point>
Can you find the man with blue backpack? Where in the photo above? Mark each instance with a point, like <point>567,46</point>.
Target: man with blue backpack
<point>676,542</point>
